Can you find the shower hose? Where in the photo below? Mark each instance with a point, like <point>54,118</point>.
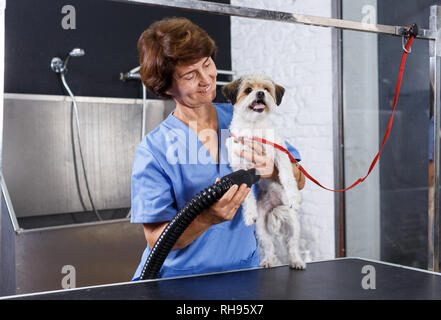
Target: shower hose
<point>75,108</point>
<point>187,214</point>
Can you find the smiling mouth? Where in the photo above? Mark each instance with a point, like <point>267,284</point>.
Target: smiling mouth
<point>258,105</point>
<point>206,90</point>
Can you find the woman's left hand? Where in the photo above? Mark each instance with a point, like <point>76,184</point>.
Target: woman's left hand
<point>262,162</point>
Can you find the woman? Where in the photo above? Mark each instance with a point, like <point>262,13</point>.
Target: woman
<point>170,165</point>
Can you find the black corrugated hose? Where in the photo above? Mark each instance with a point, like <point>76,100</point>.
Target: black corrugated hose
<point>187,214</point>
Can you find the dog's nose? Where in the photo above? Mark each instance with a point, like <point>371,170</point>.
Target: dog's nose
<point>260,94</point>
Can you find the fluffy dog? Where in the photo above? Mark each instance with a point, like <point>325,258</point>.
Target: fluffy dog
<point>276,211</point>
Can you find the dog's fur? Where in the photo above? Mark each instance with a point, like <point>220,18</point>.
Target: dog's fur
<point>276,211</point>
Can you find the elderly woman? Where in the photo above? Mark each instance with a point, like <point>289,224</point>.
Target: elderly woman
<point>177,62</point>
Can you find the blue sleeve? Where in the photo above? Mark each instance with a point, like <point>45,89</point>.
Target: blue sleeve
<point>293,151</point>
<point>152,194</point>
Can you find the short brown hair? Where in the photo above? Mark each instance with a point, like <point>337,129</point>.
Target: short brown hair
<point>165,44</point>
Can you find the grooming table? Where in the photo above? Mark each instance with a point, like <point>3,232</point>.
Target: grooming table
<point>331,279</point>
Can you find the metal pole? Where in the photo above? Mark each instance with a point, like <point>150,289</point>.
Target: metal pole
<point>433,214</point>
<point>5,267</point>
<point>2,71</point>
<point>338,136</point>
<point>226,9</point>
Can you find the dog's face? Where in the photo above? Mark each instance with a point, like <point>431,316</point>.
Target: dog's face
<point>254,95</point>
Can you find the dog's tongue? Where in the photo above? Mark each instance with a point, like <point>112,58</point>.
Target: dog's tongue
<point>258,106</point>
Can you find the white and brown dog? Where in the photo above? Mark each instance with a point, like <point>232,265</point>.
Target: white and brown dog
<point>276,211</point>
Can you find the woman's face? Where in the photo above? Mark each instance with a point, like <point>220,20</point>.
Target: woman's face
<point>194,85</point>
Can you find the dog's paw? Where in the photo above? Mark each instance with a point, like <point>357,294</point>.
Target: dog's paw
<point>297,264</point>
<point>268,263</point>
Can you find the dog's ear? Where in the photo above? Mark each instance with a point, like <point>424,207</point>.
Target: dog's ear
<point>279,94</point>
<point>231,90</point>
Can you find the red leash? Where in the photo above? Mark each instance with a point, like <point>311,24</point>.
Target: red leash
<point>397,92</point>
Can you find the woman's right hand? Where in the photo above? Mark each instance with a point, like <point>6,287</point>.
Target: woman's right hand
<point>226,207</point>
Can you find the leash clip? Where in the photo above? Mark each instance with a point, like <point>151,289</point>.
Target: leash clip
<point>407,33</point>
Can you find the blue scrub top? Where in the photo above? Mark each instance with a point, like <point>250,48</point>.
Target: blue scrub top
<point>172,165</point>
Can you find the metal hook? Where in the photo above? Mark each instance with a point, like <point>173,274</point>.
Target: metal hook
<point>408,32</point>
<point>404,39</point>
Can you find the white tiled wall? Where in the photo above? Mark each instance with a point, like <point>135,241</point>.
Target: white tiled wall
<point>300,59</point>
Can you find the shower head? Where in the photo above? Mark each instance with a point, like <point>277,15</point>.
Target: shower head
<point>77,52</point>
<point>60,66</point>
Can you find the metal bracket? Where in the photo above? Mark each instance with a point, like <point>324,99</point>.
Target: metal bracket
<point>406,32</point>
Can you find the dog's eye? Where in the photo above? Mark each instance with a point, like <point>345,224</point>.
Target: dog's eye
<point>248,90</point>
<point>266,89</point>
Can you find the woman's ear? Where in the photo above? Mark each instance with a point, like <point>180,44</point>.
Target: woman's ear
<point>279,94</point>
<point>169,92</point>
<point>231,90</point>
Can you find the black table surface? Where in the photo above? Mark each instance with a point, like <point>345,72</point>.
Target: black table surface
<point>333,279</point>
